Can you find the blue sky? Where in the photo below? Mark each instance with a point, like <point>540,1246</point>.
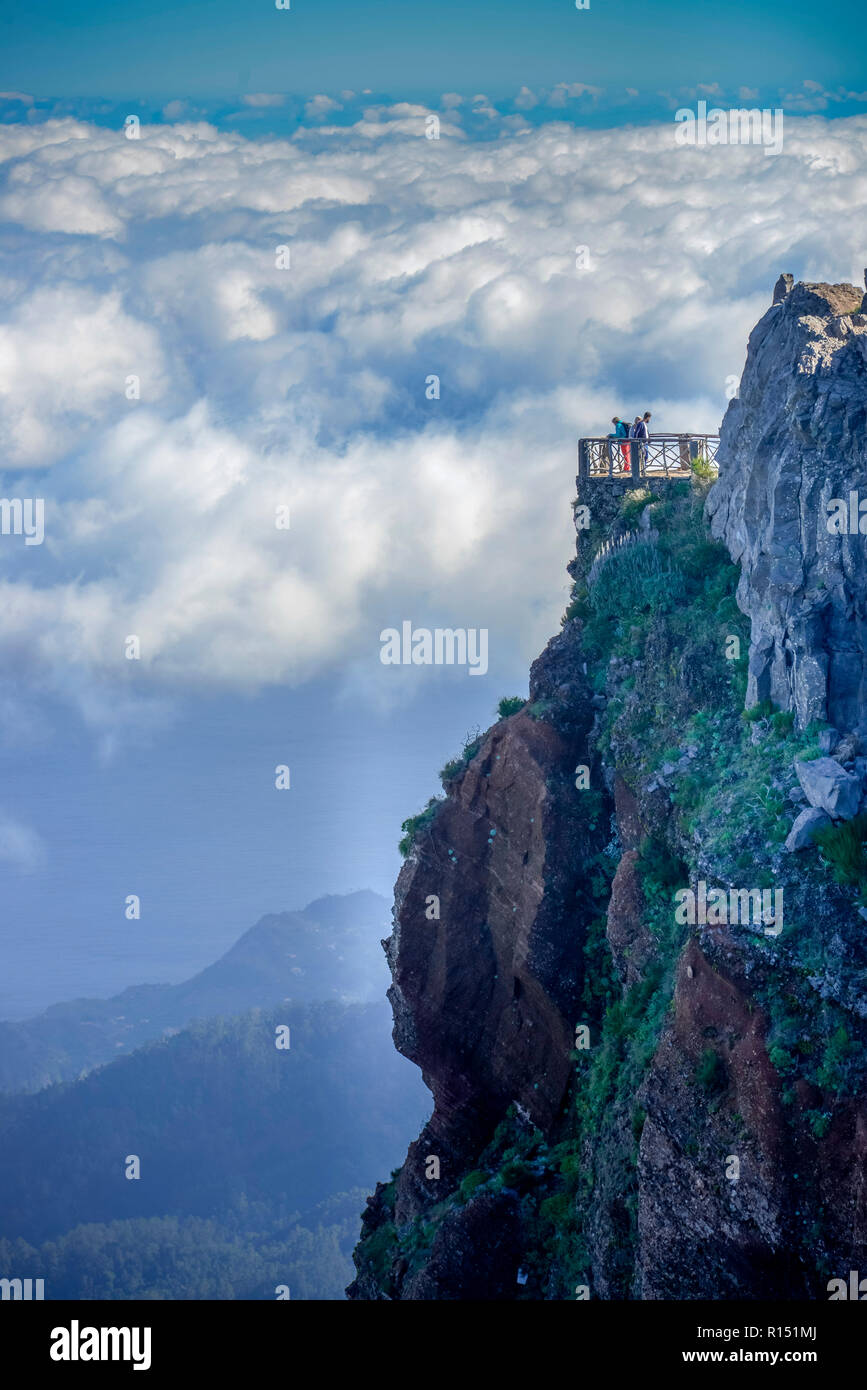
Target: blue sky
<point>261,386</point>
<point>159,50</point>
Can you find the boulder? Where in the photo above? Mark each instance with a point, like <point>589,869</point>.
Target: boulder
<point>804,828</point>
<point>830,787</point>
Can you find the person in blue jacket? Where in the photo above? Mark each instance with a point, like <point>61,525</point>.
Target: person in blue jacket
<point>621,431</point>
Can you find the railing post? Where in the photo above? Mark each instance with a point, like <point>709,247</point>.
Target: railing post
<point>583,460</point>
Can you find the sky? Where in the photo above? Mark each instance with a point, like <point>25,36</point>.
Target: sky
<point>170,378</point>
<point>174,49</point>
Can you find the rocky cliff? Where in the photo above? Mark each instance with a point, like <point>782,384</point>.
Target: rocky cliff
<point>793,442</point>
<point>634,1099</point>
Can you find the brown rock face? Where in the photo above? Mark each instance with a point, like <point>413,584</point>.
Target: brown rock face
<point>485,995</point>
<point>702,1233</point>
<point>733,1183</point>
<point>630,942</point>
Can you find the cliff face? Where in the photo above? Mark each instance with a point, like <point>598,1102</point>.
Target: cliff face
<point>628,1104</point>
<point>485,994</point>
<point>793,441</point>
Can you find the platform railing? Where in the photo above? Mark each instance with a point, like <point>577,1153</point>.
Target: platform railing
<point>660,456</point>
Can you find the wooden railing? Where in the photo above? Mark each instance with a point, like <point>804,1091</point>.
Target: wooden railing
<point>660,456</point>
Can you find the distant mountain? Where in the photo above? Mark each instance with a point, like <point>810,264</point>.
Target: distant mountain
<point>217,1115</point>
<point>254,1160</point>
<point>331,950</point>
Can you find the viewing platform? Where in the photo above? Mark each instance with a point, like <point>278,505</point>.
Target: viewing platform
<point>660,456</point>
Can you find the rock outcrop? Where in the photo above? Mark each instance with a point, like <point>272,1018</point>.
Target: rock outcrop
<point>792,443</point>
<point>628,1102</point>
<point>488,910</point>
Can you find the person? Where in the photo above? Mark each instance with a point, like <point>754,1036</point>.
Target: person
<point>615,420</point>
<point>621,431</point>
<point>635,449</point>
<point>642,434</point>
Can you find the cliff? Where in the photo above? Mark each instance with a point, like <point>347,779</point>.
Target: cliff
<point>793,441</point>
<point>630,1102</point>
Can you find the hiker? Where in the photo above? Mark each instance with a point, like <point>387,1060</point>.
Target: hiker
<point>612,434</point>
<point>641,432</point>
<point>621,431</point>
<point>633,434</point>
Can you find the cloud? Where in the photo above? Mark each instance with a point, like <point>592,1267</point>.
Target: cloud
<point>266,99</point>
<point>564,92</point>
<point>320,106</point>
<point>526,99</point>
<point>264,385</point>
<point>813,96</point>
<point>20,846</point>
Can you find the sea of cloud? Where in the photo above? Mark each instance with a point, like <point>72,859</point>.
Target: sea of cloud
<point>305,386</point>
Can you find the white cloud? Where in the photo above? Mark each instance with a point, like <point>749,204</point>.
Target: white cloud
<point>320,106</point>
<point>264,99</point>
<point>261,386</point>
<point>564,92</point>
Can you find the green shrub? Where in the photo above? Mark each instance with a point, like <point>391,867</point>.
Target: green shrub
<point>820,1121</point>
<point>414,824</point>
<point>763,710</point>
<point>379,1250</point>
<point>513,1174</point>
<point>710,1074</point>
<point>781,1060</point>
<point>844,849</point>
<point>510,704</point>
<point>539,709</point>
<point>471,1182</point>
<point>831,1075</point>
<point>633,505</point>
<point>702,467</point>
<point>455,766</point>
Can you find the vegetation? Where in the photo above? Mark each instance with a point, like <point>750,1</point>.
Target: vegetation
<point>454,768</point>
<point>246,1254</point>
<point>702,468</point>
<point>243,1147</point>
<point>844,849</point>
<point>510,704</point>
<point>413,824</point>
